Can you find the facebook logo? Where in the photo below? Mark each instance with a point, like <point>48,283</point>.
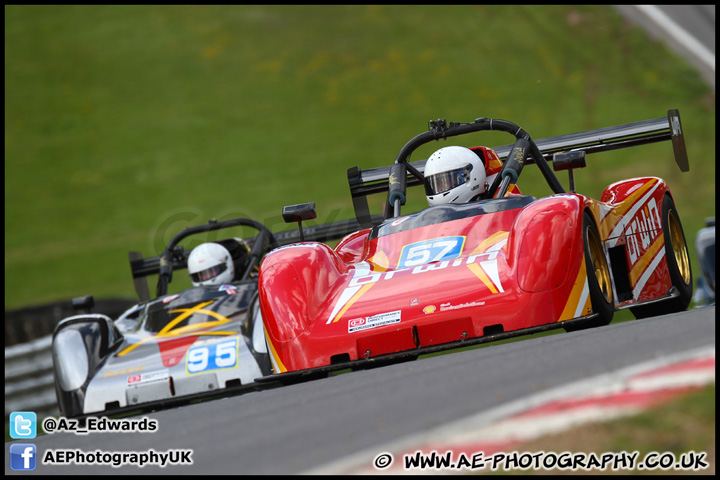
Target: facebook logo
<point>23,456</point>
<point>23,425</point>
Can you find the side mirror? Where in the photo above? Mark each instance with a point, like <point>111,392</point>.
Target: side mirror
<point>83,304</point>
<point>569,160</point>
<point>298,213</point>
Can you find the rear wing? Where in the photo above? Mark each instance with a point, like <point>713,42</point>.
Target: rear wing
<point>376,180</point>
<point>175,256</point>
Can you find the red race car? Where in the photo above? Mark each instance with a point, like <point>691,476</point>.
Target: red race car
<point>484,261</point>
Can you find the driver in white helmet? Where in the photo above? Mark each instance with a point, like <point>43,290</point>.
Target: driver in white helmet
<point>210,264</point>
<point>454,175</point>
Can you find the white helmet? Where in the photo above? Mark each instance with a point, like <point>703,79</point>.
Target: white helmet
<point>453,175</point>
<point>210,264</point>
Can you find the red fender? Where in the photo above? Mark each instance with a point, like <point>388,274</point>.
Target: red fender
<point>290,273</point>
<point>544,247</point>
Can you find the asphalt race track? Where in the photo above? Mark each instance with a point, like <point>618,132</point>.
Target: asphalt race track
<point>301,427</point>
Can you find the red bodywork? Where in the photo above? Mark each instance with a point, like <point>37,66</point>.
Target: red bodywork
<point>446,282</point>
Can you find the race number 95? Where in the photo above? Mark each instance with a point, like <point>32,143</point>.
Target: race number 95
<point>428,251</point>
<point>212,357</point>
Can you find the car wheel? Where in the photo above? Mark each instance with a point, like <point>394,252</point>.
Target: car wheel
<point>678,261</point>
<point>598,277</point>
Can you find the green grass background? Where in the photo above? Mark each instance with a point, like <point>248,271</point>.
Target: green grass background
<point>125,124</point>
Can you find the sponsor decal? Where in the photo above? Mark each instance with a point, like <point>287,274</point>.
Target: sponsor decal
<point>444,307</point>
<point>449,306</point>
<point>150,377</point>
<point>637,222</point>
<point>361,278</point>
<point>356,322</point>
<point>379,320</point>
<point>614,220</point>
<point>229,289</point>
<point>644,227</point>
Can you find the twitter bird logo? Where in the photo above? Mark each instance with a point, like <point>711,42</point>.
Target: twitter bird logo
<point>23,425</point>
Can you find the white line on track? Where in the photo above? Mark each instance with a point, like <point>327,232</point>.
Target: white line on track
<point>679,34</point>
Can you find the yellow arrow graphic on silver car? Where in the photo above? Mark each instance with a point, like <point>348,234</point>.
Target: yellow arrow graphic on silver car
<point>170,331</point>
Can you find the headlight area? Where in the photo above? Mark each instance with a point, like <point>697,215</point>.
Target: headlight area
<point>70,359</point>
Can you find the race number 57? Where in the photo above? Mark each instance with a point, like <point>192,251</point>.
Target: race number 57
<point>212,357</point>
<point>429,251</point>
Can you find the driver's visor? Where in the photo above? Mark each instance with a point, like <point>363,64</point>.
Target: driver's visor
<point>208,273</point>
<point>444,181</point>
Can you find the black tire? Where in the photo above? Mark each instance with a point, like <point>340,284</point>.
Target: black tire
<point>598,276</point>
<point>678,260</point>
